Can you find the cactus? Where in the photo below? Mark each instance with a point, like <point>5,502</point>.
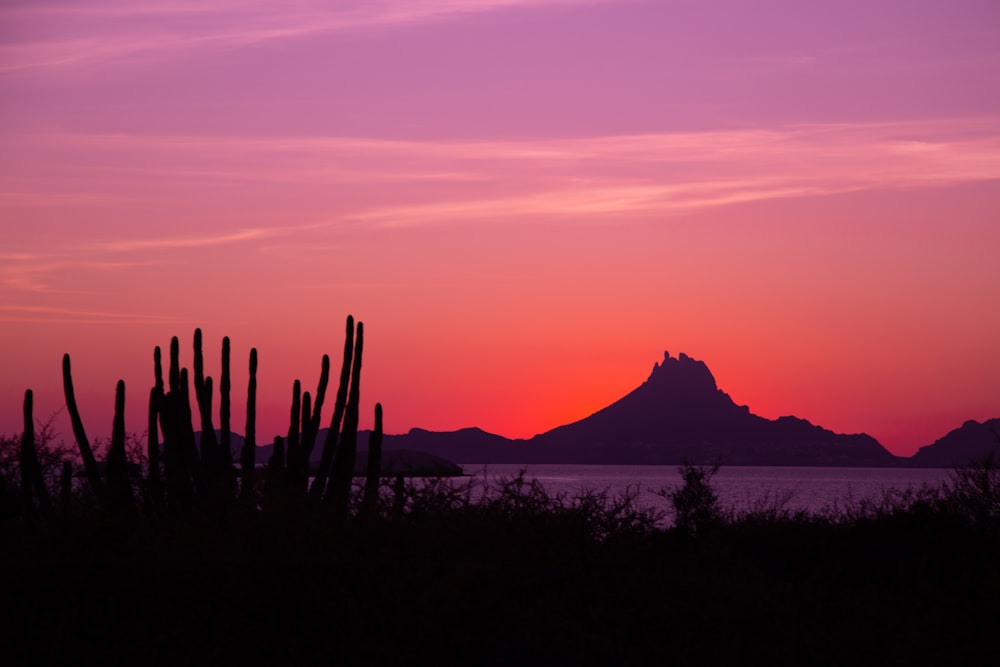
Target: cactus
<point>309,434</point>
<point>225,389</point>
<point>86,453</point>
<point>176,485</point>
<point>302,463</point>
<point>318,488</point>
<point>339,491</point>
<point>175,366</point>
<point>373,479</point>
<point>119,487</point>
<point>292,459</point>
<point>181,471</point>
<point>248,457</point>
<point>158,368</point>
<point>203,398</point>
<point>154,481</point>
<point>155,485</point>
<point>188,443</point>
<point>31,471</point>
<point>180,455</point>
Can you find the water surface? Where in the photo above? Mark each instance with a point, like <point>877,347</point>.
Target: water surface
<point>739,487</point>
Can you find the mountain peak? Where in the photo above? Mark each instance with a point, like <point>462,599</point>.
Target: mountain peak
<point>682,371</point>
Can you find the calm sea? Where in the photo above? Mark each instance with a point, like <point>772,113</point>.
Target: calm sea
<point>811,489</point>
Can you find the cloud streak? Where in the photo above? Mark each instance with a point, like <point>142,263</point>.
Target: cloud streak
<point>132,33</point>
<point>72,315</point>
<point>597,177</point>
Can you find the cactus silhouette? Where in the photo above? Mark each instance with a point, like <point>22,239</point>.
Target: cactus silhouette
<point>119,487</point>
<point>302,460</point>
<point>154,484</point>
<point>86,452</point>
<point>203,398</point>
<point>318,489</point>
<point>184,475</point>
<point>175,366</point>
<point>309,434</point>
<point>342,471</point>
<point>32,483</point>
<point>248,456</point>
<point>295,421</point>
<point>374,477</point>
<point>225,432</point>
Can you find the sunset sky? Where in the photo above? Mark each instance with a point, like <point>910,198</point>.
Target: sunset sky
<point>525,201</point>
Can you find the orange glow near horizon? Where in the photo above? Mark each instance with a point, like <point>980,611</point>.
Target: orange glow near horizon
<point>524,217</point>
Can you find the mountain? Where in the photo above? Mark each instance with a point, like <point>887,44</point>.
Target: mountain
<point>677,413</point>
<point>970,441</point>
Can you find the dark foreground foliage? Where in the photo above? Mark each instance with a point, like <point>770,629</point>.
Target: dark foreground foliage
<point>506,575</point>
<point>190,559</point>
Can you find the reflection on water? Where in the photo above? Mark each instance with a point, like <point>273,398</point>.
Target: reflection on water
<point>739,487</point>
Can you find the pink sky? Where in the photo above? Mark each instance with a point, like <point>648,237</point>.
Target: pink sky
<point>526,202</point>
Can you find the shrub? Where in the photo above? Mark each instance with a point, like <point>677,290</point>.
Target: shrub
<point>695,504</point>
<point>974,490</point>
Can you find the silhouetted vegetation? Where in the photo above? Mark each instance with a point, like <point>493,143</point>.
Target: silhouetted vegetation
<point>166,552</point>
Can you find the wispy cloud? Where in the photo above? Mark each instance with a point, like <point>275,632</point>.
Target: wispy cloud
<point>600,177</point>
<point>127,32</point>
<point>172,243</point>
<point>43,273</point>
<point>72,315</point>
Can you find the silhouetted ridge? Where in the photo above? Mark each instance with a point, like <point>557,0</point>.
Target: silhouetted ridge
<point>678,413</point>
<point>970,441</point>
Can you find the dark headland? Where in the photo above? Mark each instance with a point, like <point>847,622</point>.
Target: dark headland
<point>679,413</point>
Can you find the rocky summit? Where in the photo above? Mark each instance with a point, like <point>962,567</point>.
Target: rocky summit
<point>679,413</point>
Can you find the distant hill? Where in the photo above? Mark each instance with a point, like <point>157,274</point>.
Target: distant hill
<point>970,441</point>
<point>680,413</point>
<point>677,413</point>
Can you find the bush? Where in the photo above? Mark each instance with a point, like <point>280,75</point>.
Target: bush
<point>974,490</point>
<point>695,504</point>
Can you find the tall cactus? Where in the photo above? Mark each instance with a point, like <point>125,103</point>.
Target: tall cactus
<point>292,460</point>
<point>302,465</point>
<point>225,389</point>
<point>119,487</point>
<point>188,443</point>
<point>339,491</point>
<point>248,456</point>
<point>318,488</point>
<point>158,368</point>
<point>374,477</point>
<point>155,484</point>
<point>175,365</point>
<point>86,453</point>
<point>309,433</point>
<point>203,398</point>
<point>178,437</point>
<point>31,470</point>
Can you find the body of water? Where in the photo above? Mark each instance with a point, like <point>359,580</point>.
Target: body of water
<point>738,487</point>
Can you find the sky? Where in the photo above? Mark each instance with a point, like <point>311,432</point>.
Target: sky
<point>525,201</point>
